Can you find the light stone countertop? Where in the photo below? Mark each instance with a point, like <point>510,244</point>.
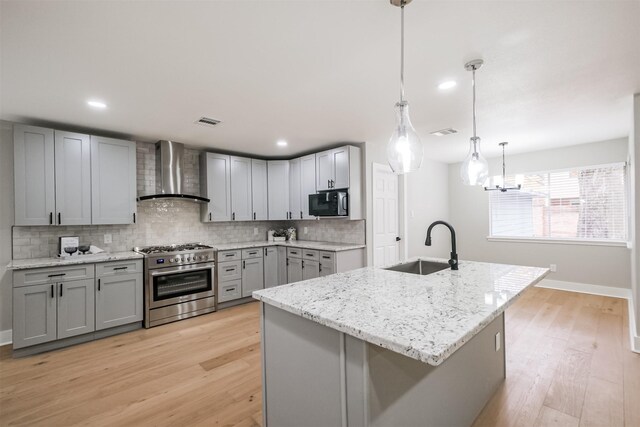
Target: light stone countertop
<point>23,264</point>
<point>423,317</point>
<point>302,244</point>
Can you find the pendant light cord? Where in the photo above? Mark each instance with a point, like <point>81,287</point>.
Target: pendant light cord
<point>504,170</point>
<point>402,53</point>
<point>473,84</point>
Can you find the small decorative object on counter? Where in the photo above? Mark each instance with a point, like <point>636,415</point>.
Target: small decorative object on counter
<point>68,242</point>
<point>270,235</point>
<point>280,235</point>
<point>292,234</point>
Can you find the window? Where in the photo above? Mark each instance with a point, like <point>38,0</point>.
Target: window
<point>581,204</point>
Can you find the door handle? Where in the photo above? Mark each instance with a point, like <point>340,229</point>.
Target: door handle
<point>287,261</point>
<point>303,264</point>
<point>50,218</point>
<point>254,216</point>
<point>52,292</point>
<point>61,286</point>
<point>99,285</point>
<point>134,217</point>
<point>233,216</point>
<point>328,183</point>
<point>266,253</point>
<point>120,268</point>
<point>59,218</point>
<point>244,264</point>
<point>300,214</point>
<point>57,275</point>
<point>398,239</point>
<point>209,216</point>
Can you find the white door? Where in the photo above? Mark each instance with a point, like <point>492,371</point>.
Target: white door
<point>386,206</point>
<point>324,170</point>
<point>34,177</point>
<point>113,181</point>
<point>295,190</point>
<point>340,160</point>
<point>218,187</point>
<point>259,194</point>
<point>241,209</point>
<point>278,182</point>
<point>308,182</point>
<point>73,178</point>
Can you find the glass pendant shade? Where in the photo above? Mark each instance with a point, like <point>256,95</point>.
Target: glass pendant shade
<point>475,169</point>
<point>404,150</point>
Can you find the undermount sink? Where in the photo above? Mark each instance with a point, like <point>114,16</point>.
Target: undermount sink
<point>421,267</point>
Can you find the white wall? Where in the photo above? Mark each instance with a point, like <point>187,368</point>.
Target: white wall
<point>469,211</point>
<point>6,221</point>
<point>634,155</point>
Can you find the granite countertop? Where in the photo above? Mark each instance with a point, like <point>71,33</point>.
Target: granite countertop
<point>303,244</point>
<point>423,317</point>
<point>23,264</point>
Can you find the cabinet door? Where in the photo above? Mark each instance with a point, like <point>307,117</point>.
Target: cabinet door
<point>308,182</point>
<point>252,276</point>
<point>34,180</point>
<point>282,265</point>
<point>327,268</point>
<point>324,170</point>
<point>118,300</point>
<point>73,178</point>
<point>113,181</point>
<point>295,190</point>
<point>259,194</point>
<point>241,209</point>
<point>271,267</point>
<point>310,269</point>
<point>218,187</point>
<point>294,270</point>
<point>34,315</point>
<point>340,160</point>
<point>76,308</point>
<point>278,182</point>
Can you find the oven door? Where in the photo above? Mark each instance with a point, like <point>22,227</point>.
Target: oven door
<point>167,286</point>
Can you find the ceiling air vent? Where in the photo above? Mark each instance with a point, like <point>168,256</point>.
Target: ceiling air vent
<point>443,132</point>
<point>207,121</point>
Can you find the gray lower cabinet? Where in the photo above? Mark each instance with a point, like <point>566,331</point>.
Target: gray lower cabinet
<point>34,315</point>
<point>327,263</point>
<point>271,267</point>
<point>310,269</point>
<point>118,300</point>
<point>294,270</point>
<point>252,275</point>
<point>282,265</point>
<point>76,308</point>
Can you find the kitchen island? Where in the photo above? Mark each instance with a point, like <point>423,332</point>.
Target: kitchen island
<point>373,347</point>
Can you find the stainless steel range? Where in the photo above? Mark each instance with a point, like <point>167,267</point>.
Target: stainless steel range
<point>179,282</point>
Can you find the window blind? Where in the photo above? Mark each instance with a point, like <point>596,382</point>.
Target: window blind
<point>586,203</point>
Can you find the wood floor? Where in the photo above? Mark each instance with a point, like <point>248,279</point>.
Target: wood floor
<point>569,364</point>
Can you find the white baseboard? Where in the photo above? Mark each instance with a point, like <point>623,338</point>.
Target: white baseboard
<point>5,337</point>
<point>606,291</point>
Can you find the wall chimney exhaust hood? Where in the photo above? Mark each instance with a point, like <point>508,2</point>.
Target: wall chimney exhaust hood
<point>170,174</point>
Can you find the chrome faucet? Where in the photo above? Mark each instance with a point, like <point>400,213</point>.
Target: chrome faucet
<point>453,261</point>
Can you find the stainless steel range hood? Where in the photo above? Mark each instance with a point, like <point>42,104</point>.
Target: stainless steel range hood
<point>170,174</point>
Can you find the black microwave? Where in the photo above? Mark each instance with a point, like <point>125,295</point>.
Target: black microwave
<point>329,203</point>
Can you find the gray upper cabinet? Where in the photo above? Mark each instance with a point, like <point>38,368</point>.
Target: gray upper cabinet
<point>34,315</point>
<point>340,160</point>
<point>271,267</point>
<point>278,178</point>
<point>259,190</point>
<point>324,170</point>
<point>73,178</point>
<point>34,175</point>
<point>295,190</point>
<point>333,168</point>
<point>252,275</point>
<point>215,183</point>
<point>241,209</point>
<point>119,298</point>
<point>113,181</point>
<point>307,182</point>
<point>76,310</point>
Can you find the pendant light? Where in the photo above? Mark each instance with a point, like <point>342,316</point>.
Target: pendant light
<point>404,150</point>
<point>475,169</point>
<point>503,186</point>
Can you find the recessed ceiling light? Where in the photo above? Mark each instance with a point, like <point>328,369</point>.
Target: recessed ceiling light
<point>443,132</point>
<point>282,143</point>
<point>447,85</point>
<point>97,104</point>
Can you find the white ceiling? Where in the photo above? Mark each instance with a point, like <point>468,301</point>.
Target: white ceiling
<point>319,72</point>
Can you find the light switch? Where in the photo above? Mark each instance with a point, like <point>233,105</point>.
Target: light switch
<point>498,341</point>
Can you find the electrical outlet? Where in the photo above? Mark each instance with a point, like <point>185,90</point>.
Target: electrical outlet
<point>255,231</point>
<point>306,230</point>
<point>107,239</point>
<point>498,341</point>
<point>553,268</point>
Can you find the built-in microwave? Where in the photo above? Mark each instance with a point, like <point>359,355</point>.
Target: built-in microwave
<point>329,203</point>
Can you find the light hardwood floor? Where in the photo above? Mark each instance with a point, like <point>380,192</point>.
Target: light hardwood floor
<point>568,364</point>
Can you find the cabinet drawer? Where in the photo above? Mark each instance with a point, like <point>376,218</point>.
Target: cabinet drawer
<point>229,271</point>
<point>251,253</point>
<point>294,253</point>
<point>310,255</point>
<point>327,256</point>
<point>229,255</point>
<point>228,291</point>
<point>129,266</point>
<point>38,276</point>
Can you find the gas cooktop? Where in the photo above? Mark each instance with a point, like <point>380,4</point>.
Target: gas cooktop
<point>148,250</point>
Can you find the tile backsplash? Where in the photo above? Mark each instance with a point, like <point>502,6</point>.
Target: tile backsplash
<point>174,221</point>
